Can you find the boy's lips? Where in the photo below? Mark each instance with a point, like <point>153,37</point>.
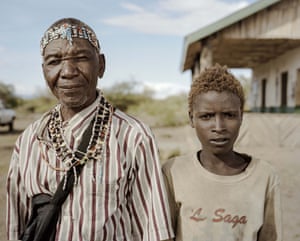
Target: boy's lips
<point>219,141</point>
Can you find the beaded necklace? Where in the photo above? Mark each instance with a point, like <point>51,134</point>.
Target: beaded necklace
<point>100,131</point>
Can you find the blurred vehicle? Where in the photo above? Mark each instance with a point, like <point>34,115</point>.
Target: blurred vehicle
<point>7,116</point>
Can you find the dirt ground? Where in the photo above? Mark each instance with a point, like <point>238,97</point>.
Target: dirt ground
<point>180,140</point>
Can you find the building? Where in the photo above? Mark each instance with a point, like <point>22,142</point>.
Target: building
<point>265,37</point>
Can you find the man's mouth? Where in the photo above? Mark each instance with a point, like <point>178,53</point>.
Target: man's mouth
<point>69,87</point>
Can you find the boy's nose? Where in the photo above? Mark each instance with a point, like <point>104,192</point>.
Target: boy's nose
<point>219,124</point>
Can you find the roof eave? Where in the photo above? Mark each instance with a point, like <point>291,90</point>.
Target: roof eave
<point>221,24</point>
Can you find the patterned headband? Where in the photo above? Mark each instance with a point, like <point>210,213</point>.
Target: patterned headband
<point>68,32</point>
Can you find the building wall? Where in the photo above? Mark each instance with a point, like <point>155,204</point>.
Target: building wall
<point>272,72</point>
<point>278,21</point>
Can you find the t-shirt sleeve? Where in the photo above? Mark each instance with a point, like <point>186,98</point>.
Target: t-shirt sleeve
<point>272,225</point>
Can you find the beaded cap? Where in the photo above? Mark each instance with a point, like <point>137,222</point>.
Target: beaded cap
<point>69,31</point>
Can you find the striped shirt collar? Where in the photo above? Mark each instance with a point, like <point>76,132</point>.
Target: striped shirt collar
<point>79,119</point>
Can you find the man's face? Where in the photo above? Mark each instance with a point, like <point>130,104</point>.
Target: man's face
<point>71,71</point>
<point>217,118</point>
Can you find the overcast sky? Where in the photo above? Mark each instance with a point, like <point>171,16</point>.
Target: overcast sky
<point>141,39</point>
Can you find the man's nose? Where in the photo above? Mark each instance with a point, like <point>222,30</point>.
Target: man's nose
<point>69,69</point>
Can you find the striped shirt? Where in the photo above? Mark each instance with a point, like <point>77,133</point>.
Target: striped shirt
<point>121,197</point>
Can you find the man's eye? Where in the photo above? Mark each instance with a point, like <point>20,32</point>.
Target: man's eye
<point>53,62</point>
<point>81,58</point>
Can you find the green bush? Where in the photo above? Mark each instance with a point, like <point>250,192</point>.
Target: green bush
<point>127,94</point>
<point>137,100</point>
<point>7,95</point>
<point>171,111</point>
<point>130,97</point>
<point>38,105</point>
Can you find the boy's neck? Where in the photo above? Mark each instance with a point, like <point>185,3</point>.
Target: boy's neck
<point>225,165</point>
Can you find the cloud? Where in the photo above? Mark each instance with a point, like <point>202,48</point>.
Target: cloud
<point>173,17</point>
<point>132,7</point>
<point>164,89</point>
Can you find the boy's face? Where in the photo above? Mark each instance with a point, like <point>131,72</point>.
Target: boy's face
<point>217,118</point>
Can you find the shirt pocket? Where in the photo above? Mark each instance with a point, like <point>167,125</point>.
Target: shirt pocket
<point>113,190</point>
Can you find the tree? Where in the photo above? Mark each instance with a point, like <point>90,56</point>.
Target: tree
<point>7,95</point>
<point>125,94</point>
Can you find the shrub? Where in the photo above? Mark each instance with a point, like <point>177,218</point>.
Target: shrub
<point>127,94</point>
<point>171,111</point>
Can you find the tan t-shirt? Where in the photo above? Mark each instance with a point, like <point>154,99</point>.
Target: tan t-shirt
<point>210,207</point>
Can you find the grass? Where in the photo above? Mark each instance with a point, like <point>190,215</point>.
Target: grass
<point>169,112</point>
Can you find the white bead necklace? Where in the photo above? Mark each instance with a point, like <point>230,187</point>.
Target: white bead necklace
<point>100,132</point>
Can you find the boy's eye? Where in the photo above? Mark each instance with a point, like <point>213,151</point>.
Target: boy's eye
<point>229,115</point>
<point>206,116</point>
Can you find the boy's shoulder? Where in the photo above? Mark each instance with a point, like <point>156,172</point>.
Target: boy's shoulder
<point>178,163</point>
<point>265,167</point>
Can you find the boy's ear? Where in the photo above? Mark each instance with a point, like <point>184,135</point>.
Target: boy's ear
<point>191,119</point>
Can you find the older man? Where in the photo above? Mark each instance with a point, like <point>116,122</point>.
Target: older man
<point>119,193</point>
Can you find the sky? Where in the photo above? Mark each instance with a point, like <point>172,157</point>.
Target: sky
<point>142,39</point>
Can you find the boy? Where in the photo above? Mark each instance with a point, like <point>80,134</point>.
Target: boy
<point>218,194</point>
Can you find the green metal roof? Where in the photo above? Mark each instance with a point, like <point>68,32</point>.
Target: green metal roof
<point>223,23</point>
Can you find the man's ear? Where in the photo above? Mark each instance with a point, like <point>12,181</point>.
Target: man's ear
<point>101,65</point>
<point>191,119</point>
<point>44,74</point>
<point>43,65</point>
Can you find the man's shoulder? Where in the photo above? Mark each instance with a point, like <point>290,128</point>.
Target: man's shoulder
<point>125,120</point>
<point>37,125</point>
<point>123,116</point>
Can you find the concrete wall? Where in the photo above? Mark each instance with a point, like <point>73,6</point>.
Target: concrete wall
<point>272,71</point>
<point>269,130</point>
